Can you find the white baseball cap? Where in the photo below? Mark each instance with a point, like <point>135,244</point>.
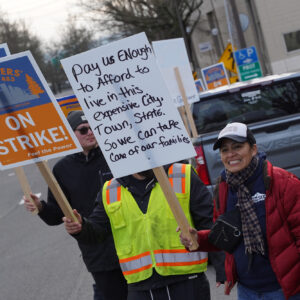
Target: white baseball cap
<point>238,132</point>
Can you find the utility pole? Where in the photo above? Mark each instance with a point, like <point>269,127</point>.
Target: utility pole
<point>187,40</point>
<point>236,19</point>
<point>259,38</point>
<point>229,24</point>
<point>219,39</point>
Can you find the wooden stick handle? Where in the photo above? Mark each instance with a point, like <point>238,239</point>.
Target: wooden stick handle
<point>174,205</point>
<point>185,101</point>
<point>56,190</point>
<point>25,186</point>
<point>184,119</point>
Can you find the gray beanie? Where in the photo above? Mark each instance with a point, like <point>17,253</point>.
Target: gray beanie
<point>75,118</point>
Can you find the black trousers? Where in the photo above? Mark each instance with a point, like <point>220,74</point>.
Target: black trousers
<point>110,285</point>
<point>97,293</point>
<point>191,289</point>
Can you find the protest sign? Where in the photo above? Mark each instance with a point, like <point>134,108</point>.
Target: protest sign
<point>126,101</point>
<point>129,109</point>
<point>68,104</point>
<point>4,50</point>
<point>169,55</point>
<point>191,124</point>
<point>199,86</point>
<point>215,76</point>
<point>33,127</point>
<point>172,58</point>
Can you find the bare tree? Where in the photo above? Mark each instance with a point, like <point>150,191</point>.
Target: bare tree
<point>74,39</point>
<point>18,38</point>
<point>159,19</point>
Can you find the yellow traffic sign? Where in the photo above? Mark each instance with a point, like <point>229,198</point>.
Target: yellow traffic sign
<point>228,59</point>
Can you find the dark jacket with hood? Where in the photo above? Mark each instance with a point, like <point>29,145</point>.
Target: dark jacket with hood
<point>97,226</point>
<point>81,177</point>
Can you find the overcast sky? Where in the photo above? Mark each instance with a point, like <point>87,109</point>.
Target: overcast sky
<point>43,17</point>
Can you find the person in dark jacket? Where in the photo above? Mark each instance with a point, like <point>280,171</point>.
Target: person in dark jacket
<point>80,176</point>
<point>143,228</point>
<point>266,263</point>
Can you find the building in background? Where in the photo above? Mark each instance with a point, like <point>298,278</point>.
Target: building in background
<point>272,26</point>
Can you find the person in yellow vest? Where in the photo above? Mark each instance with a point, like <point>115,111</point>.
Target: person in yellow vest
<point>153,261</point>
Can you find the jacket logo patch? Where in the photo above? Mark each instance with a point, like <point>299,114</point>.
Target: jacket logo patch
<point>258,197</point>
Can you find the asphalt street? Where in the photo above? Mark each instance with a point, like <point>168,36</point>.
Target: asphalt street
<point>39,262</point>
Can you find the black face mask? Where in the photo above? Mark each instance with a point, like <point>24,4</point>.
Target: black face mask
<point>147,174</point>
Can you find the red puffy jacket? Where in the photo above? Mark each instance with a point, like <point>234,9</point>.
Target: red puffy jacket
<point>282,228</point>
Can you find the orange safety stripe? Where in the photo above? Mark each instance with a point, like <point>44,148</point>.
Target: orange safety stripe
<point>124,260</point>
<point>171,178</point>
<point>137,270</point>
<point>119,193</point>
<point>171,172</point>
<point>107,192</point>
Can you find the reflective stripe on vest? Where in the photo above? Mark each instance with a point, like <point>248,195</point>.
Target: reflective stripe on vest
<point>113,191</point>
<point>179,257</point>
<point>138,266</point>
<point>136,263</point>
<point>177,177</point>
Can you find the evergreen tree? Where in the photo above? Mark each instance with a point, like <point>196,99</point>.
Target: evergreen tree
<point>33,86</point>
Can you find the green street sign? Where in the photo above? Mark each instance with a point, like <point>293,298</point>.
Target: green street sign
<point>248,64</point>
<point>250,71</point>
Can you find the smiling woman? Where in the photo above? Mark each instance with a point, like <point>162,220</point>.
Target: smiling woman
<point>236,156</point>
<point>266,262</point>
<point>237,147</point>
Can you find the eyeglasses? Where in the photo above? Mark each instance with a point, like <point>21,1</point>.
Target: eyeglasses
<point>83,130</point>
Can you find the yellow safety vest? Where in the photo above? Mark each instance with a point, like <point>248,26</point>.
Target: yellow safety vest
<point>147,241</point>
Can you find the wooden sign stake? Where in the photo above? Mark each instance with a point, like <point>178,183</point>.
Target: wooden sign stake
<point>186,104</point>
<point>174,205</point>
<point>184,119</point>
<point>56,190</point>
<point>25,186</point>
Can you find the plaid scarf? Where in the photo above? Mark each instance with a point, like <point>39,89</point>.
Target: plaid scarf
<point>252,233</point>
